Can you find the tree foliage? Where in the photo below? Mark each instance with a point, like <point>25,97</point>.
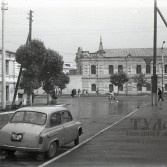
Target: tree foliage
<point>31,58</point>
<point>52,69</point>
<point>118,79</point>
<point>141,80</point>
<point>62,81</point>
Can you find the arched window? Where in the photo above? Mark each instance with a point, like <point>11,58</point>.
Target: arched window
<point>139,87</point>
<point>93,69</point>
<point>111,69</point>
<point>120,68</point>
<point>138,69</point>
<point>120,87</point>
<point>165,68</point>
<point>93,87</point>
<point>148,69</point>
<point>111,87</point>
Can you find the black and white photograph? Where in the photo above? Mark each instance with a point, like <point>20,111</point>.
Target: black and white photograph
<point>83,83</point>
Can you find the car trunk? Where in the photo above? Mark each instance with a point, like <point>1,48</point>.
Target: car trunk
<point>30,133</point>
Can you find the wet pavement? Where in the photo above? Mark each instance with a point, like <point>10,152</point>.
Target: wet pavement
<point>138,140</point>
<point>95,114</point>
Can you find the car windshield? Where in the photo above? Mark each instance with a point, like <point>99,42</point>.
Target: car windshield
<point>32,117</point>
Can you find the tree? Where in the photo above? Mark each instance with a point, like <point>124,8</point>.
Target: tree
<point>31,58</point>
<point>119,79</point>
<point>62,81</point>
<point>51,71</point>
<point>141,80</point>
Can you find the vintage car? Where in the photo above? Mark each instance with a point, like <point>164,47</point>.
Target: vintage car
<point>39,129</point>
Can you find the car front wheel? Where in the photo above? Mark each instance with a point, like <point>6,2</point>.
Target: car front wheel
<point>52,150</point>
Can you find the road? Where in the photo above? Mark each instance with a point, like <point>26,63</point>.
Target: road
<point>95,113</point>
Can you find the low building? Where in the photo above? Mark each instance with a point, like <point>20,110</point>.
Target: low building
<point>12,71</point>
<point>96,68</point>
<point>69,67</point>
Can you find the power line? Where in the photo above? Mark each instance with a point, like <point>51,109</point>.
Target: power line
<point>12,42</point>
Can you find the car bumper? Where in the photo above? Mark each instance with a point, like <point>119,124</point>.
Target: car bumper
<point>26,149</point>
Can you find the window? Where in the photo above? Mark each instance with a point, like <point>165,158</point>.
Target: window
<point>148,87</point>
<point>93,87</point>
<point>111,69</point>
<point>80,70</point>
<point>148,69</point>
<point>7,93</point>
<point>7,67</point>
<point>120,68</point>
<point>138,69</point>
<point>111,88</point>
<point>165,68</point>
<point>55,119</point>
<point>120,87</point>
<point>93,69</point>
<point>66,116</point>
<point>30,117</point>
<point>139,87</point>
<point>165,86</point>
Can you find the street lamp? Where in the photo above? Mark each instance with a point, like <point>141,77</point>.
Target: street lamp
<point>126,58</point>
<point>162,68</point>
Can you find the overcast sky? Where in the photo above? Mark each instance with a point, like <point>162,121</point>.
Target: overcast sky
<point>65,25</point>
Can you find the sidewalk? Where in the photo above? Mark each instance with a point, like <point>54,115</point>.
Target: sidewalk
<point>138,140</point>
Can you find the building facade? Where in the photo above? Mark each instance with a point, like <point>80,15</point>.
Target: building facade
<point>96,68</point>
<point>12,71</point>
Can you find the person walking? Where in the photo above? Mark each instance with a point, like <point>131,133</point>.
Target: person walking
<point>160,95</point>
<point>111,96</point>
<point>79,92</point>
<point>97,92</point>
<point>33,96</point>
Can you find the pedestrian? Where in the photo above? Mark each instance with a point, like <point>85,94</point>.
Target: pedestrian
<point>160,95</point>
<point>87,93</point>
<point>97,92</point>
<point>33,96</point>
<point>111,96</point>
<point>79,92</point>
<point>73,93</point>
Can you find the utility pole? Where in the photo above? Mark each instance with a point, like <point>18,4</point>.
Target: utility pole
<point>21,68</point>
<point>163,68</point>
<point>154,77</point>
<point>3,99</point>
<point>30,27</point>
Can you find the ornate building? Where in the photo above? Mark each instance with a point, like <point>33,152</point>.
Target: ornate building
<point>96,68</point>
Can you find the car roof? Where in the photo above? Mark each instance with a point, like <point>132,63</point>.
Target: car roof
<point>44,109</point>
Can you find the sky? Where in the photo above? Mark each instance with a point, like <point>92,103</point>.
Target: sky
<point>65,25</point>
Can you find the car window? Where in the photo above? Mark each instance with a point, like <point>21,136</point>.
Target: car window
<point>32,117</point>
<point>66,116</point>
<point>17,117</point>
<point>55,119</point>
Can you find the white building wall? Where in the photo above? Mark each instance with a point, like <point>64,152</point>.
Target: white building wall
<point>11,78</point>
<point>75,83</point>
